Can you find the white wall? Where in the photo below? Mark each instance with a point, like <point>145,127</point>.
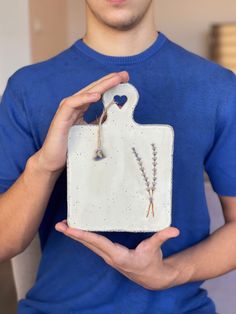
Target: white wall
<point>14,38</point>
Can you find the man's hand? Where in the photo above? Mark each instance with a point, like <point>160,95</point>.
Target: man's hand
<point>143,265</point>
<point>51,157</point>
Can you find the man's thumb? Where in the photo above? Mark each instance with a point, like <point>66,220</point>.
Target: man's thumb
<point>161,236</point>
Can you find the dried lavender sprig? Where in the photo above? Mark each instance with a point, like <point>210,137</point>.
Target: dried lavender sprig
<point>141,167</point>
<point>149,189</point>
<point>154,169</point>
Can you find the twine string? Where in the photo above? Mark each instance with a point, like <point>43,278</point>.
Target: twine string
<point>99,154</point>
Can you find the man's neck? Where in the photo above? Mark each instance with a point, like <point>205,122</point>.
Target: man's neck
<point>114,42</point>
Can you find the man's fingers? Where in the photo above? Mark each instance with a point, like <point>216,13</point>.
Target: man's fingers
<point>120,77</point>
<point>94,240</point>
<point>62,227</point>
<point>124,74</point>
<point>156,240</point>
<point>96,82</point>
<point>160,237</point>
<point>99,88</point>
<point>99,252</point>
<point>82,100</point>
<point>71,109</point>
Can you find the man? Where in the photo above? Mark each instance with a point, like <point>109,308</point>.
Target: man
<point>119,272</point>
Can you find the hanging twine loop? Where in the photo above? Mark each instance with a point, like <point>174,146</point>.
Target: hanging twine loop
<point>99,154</point>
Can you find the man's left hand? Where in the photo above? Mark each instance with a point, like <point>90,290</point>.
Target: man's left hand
<point>144,265</point>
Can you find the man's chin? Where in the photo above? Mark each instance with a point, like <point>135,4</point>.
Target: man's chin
<point>121,24</point>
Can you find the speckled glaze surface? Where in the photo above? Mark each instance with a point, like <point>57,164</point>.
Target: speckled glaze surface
<point>111,194</point>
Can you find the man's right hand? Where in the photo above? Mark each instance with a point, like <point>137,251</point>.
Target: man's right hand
<point>26,200</point>
<point>52,155</point>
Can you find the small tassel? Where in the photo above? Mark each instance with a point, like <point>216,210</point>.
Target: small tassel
<point>99,154</point>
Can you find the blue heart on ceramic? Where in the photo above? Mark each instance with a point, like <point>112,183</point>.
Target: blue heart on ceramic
<point>120,100</point>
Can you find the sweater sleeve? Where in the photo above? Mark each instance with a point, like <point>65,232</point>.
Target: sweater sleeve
<point>16,140</point>
<point>220,162</point>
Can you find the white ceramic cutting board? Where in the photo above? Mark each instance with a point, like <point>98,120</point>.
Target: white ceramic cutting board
<point>110,194</point>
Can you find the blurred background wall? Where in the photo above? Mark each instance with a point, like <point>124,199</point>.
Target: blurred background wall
<point>14,37</point>
<point>188,22</point>
<point>49,22</point>
<point>33,30</point>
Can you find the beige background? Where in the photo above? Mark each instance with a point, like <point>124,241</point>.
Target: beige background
<point>48,27</point>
